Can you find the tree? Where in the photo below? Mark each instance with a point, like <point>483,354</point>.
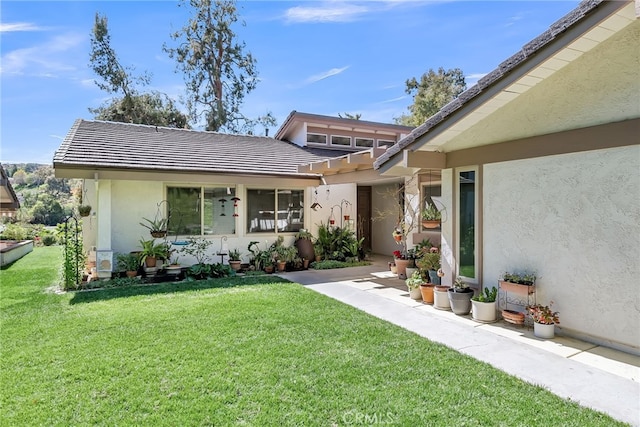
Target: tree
<point>356,116</point>
<point>431,93</point>
<point>153,108</point>
<point>218,72</point>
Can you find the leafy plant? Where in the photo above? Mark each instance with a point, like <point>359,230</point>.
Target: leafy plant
<point>460,285</point>
<point>429,260</point>
<point>235,255</point>
<point>489,295</point>
<point>543,314</point>
<point>431,213</point>
<point>304,234</point>
<point>127,262</point>
<point>197,248</point>
<point>526,278</point>
<point>414,281</point>
<point>154,226</point>
<point>151,249</point>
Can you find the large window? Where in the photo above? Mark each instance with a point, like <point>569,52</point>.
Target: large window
<point>263,217</point>
<point>201,210</point>
<point>385,143</point>
<point>467,224</point>
<point>364,142</point>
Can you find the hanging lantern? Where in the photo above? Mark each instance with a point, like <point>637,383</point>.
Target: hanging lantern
<point>332,219</point>
<point>222,202</point>
<point>235,205</point>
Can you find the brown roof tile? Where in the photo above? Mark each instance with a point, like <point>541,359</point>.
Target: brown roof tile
<point>101,144</point>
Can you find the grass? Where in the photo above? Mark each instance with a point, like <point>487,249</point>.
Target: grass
<point>218,354</point>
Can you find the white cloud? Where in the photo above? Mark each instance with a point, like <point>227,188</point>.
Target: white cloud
<point>18,26</point>
<point>326,74</point>
<point>388,101</point>
<point>42,60</point>
<point>472,79</point>
<point>331,12</point>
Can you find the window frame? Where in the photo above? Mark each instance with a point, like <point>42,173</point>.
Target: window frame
<point>276,190</point>
<point>356,138</point>
<point>326,140</point>
<point>476,224</point>
<point>380,143</point>
<point>202,188</point>
<point>341,145</point>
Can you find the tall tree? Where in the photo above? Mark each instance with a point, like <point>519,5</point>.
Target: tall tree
<point>128,105</point>
<point>218,72</point>
<point>431,93</point>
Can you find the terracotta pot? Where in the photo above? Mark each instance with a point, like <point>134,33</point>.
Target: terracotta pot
<point>514,317</point>
<point>430,223</point>
<point>397,238</point>
<point>150,261</point>
<point>401,265</point>
<point>282,265</point>
<point>517,288</point>
<point>131,273</point>
<point>268,269</point>
<point>158,234</point>
<point>427,292</point>
<point>235,265</point>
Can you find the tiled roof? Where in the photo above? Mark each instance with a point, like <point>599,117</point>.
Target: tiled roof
<point>555,31</point>
<point>98,144</point>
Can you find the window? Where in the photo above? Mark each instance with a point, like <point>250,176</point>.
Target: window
<point>201,210</point>
<point>385,143</point>
<point>263,217</point>
<point>467,224</point>
<point>316,138</point>
<point>340,140</point>
<point>364,142</point>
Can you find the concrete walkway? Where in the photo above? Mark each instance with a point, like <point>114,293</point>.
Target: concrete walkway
<point>593,376</point>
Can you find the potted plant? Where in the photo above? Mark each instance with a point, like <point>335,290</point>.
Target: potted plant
<point>157,227</point>
<point>429,261</point>
<point>460,297</point>
<point>128,263</point>
<point>152,251</point>
<point>402,261</point>
<point>544,320</point>
<point>304,244</point>
<point>483,305</point>
<point>397,235</point>
<point>173,268</point>
<point>520,283</point>
<point>235,261</point>
<point>413,284</point>
<point>431,216</point>
<point>84,210</point>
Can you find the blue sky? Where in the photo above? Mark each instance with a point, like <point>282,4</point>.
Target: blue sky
<point>321,57</point>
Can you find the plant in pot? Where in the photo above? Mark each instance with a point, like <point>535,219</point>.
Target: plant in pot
<point>402,261</point>
<point>544,320</point>
<point>431,216</point>
<point>235,259</point>
<point>460,297</point>
<point>413,284</point>
<point>157,227</point>
<point>521,283</point>
<point>128,263</point>
<point>304,244</point>
<point>483,305</point>
<point>429,261</point>
<point>152,251</point>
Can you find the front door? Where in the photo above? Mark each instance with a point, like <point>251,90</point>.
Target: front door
<point>364,217</point>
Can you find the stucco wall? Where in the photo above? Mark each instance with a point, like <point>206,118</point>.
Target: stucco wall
<point>574,219</point>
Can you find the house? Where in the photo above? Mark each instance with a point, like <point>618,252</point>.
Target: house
<point>232,189</point>
<point>9,203</point>
<point>541,172</point>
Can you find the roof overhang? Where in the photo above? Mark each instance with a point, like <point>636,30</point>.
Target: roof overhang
<point>361,160</point>
<point>455,126</point>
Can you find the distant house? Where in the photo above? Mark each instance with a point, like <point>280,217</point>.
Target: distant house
<point>230,188</point>
<point>541,171</point>
<point>9,203</point>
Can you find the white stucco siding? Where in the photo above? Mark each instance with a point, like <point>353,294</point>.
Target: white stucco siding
<point>574,219</point>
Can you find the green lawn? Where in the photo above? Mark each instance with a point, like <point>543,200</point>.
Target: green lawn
<point>257,354</point>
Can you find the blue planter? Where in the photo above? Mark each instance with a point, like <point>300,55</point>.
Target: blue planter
<point>433,277</point>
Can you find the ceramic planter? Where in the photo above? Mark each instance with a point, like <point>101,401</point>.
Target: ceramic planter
<point>517,288</point>
<point>235,265</point>
<point>415,294</point>
<point>483,311</point>
<point>426,290</point>
<point>427,223</point>
<point>513,317</point>
<point>460,301</point>
<point>441,298</point>
<point>542,330</point>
